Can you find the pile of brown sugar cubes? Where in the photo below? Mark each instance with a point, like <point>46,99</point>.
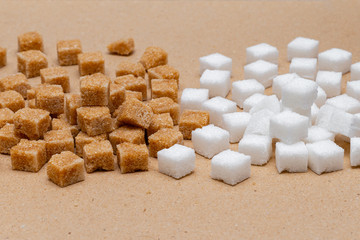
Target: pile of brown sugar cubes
<point>78,132</point>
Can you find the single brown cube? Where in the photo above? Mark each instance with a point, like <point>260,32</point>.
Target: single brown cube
<point>28,155</point>
<point>68,51</point>
<point>136,113</point>
<point>12,100</point>
<point>61,124</point>
<point>90,63</point>
<point>8,138</point>
<point>164,88</point>
<point>17,82</point>
<point>116,96</point>
<point>50,98</point>
<point>127,133</point>
<point>31,103</point>
<point>153,57</point>
<point>129,82</point>
<point>132,157</point>
<point>30,41</point>
<point>2,57</point>
<point>126,68</point>
<point>58,141</point>
<point>164,138</point>
<point>82,139</point>
<point>56,76</point>
<point>158,122</point>
<point>165,105</point>
<point>122,47</point>
<point>98,155</point>
<point>94,90</point>
<point>94,120</point>
<point>133,94</point>
<point>191,120</point>
<point>6,116</point>
<point>33,123</point>
<point>164,72</point>
<point>72,102</point>
<point>30,62</point>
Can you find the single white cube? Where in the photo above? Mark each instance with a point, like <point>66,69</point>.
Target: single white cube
<point>271,103</point>
<point>176,161</point>
<point>314,113</point>
<point>280,81</point>
<point>260,123</point>
<point>330,82</point>
<point>235,123</point>
<point>317,134</point>
<point>345,102</point>
<point>304,67</point>
<point>291,158</point>
<point>353,89</point>
<point>321,97</point>
<point>336,60</point>
<point>252,101</point>
<point>289,127</point>
<point>244,89</point>
<point>210,140</point>
<point>325,156</point>
<point>262,71</point>
<point>301,93</point>
<point>192,98</point>
<point>355,71</point>
<point>217,81</point>
<point>258,147</point>
<point>262,51</point>
<point>217,106</point>
<point>355,151</point>
<point>230,167</point>
<point>302,48</point>
<point>215,61</point>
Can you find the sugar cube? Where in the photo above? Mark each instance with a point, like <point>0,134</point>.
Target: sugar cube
<point>50,98</point>
<point>217,106</point>
<point>90,63</point>
<point>17,82</point>
<point>133,94</point>
<point>126,133</point>
<point>291,158</point>
<point>280,81</point>
<point>164,88</point>
<point>82,139</point>
<point>345,102</point>
<point>126,68</point>
<point>217,81</point>
<point>94,90</point>
<point>262,51</point>
<point>6,116</point>
<point>3,59</point>
<point>132,157</point>
<point>302,48</point>
<point>56,76</point>
<point>163,72</point>
<point>353,89</point>
<point>129,82</point>
<point>30,62</point>
<point>252,101</point>
<point>258,147</point>
<point>94,120</point>
<point>235,123</point>
<point>72,102</point>
<point>268,102</point>
<point>117,96</point>
<point>68,51</point>
<point>8,138</point>
<point>153,57</point>
<point>164,138</point>
<point>330,82</point>
<point>262,71</point>
<point>304,67</point>
<point>191,120</point>
<point>241,90</point>
<point>355,71</point>
<point>335,59</point>
<point>215,61</point>
<point>355,151</point>
<point>159,121</point>
<point>98,155</point>
<point>259,123</point>
<point>317,134</point>
<point>165,105</point>
<point>11,100</point>
<point>62,124</point>
<point>58,141</point>
<point>122,47</point>
<point>30,41</point>
<point>301,93</point>
<point>136,113</point>
<point>321,97</point>
<point>192,98</point>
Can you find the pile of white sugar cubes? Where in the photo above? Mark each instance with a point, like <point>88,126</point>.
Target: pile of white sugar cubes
<point>303,115</point>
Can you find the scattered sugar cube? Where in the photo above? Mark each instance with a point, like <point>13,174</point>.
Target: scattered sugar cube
<point>122,47</point>
<point>90,63</point>
<point>280,81</point>
<point>314,113</point>
<point>258,147</point>
<point>164,88</point>
<point>58,141</point>
<point>301,93</point>
<point>62,124</point>
<point>241,90</point>
<point>217,106</point>
<point>17,82</point>
<point>325,156</point>
<point>271,103</point>
<point>191,120</point>
<point>210,140</point>
<point>330,82</point>
<point>8,138</point>
<point>11,100</point>
<point>317,134</point>
<point>50,98</point>
<point>192,98</point>
<point>355,71</point>
<point>176,161</point>
<point>28,155</point>
<point>262,51</point>
<point>262,71</point>
<point>117,96</point>
<point>159,121</point>
<point>291,158</point>
<point>153,57</point>
<point>355,151</point>
<point>3,59</point>
<point>259,123</point>
<point>335,59</point>
<point>56,76</point>
<point>30,41</point>
<point>353,89</point>
<point>94,120</point>
<point>321,97</point>
<point>215,61</point>
<point>163,72</point>
<point>230,167</point>
<point>345,102</point>
<point>30,62</point>
<point>217,81</point>
<point>235,123</point>
<point>82,139</point>
<point>129,82</point>
<point>302,48</point>
<point>165,105</point>
<point>136,113</point>
<point>126,68</point>
<point>72,102</point>
<point>304,67</point>
<point>126,133</point>
<point>68,51</point>
<point>132,157</point>
<point>252,101</point>
<point>98,155</point>
<point>94,90</point>
<point>6,116</point>
<point>164,138</point>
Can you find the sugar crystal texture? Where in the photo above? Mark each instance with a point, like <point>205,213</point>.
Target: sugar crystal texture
<point>17,82</point>
<point>259,123</point>
<point>56,76</point>
<point>68,51</point>
<point>159,121</point>
<point>94,90</point>
<point>252,101</point>
<point>355,151</point>
<point>191,120</point>
<point>258,147</point>
<point>345,102</point>
<point>30,41</point>
<point>164,88</point>
<point>215,61</point>
<point>192,98</point>
<point>304,67</point>
<point>8,138</point>
<point>129,82</point>
<point>28,155</point>
<point>164,72</point>
<point>302,48</point>
<point>235,123</point>
<point>243,89</point>
<point>355,71</point>
<point>50,98</point>
<point>353,89</point>
<point>271,103</point>
<point>330,82</point>
<point>217,81</point>
<point>317,134</point>
<point>291,158</point>
<point>217,106</point>
<point>30,62</point>
<point>58,141</point>
<point>262,51</point>
<point>94,120</point>
<point>11,100</point>
<point>153,57</point>
<point>164,138</point>
<point>262,71</point>
<point>98,155</point>
<point>122,47</point>
<point>90,63</point>
<point>126,68</point>
<point>301,93</point>
<point>132,157</point>
<point>165,105</point>
<point>280,81</point>
<point>136,113</point>
<point>335,59</point>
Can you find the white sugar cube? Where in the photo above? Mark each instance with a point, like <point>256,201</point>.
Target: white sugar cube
<point>335,59</point>
<point>176,161</point>
<point>252,101</point>
<point>291,158</point>
<point>215,61</point>
<point>325,156</point>
<point>244,89</point>
<point>192,98</point>
<point>304,67</point>
<point>355,71</point>
<point>259,123</point>
<point>355,151</point>
<point>330,82</point>
<point>353,89</point>
<point>262,51</point>
<point>230,167</point>
<point>302,48</point>
<point>289,127</point>
<point>262,71</point>
<point>258,147</point>
<point>217,81</point>
<point>321,97</point>
<point>314,113</point>
<point>280,81</point>
<point>271,103</point>
<point>304,112</point>
<point>317,134</point>
<point>217,106</point>
<point>210,140</point>
<point>301,93</point>
<point>235,123</point>
<point>345,102</point>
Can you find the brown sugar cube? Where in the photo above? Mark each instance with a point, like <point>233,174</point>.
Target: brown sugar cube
<point>28,155</point>
<point>65,169</point>
<point>30,41</point>
<point>30,62</point>
<point>164,138</point>
<point>72,102</point>
<point>160,121</point>
<point>50,98</point>
<point>58,141</point>
<point>133,94</point>
<point>82,139</point>
<point>191,120</point>
<point>127,133</point>
<point>116,96</point>
<point>67,52</point>
<point>122,47</point>
<point>6,116</point>
<point>164,72</point>
<point>132,157</point>
<point>94,90</point>
<point>30,94</point>
<point>153,57</point>
<point>98,155</point>
<point>33,123</point>
<point>8,138</point>
<point>31,103</point>
<point>56,76</point>
<point>90,63</point>
<point>12,100</point>
<point>17,82</point>
<point>2,57</point>
<point>94,120</point>
<point>126,68</point>
<point>165,105</point>
<point>136,113</point>
<point>129,82</point>
<point>61,124</point>
<point>164,88</point>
